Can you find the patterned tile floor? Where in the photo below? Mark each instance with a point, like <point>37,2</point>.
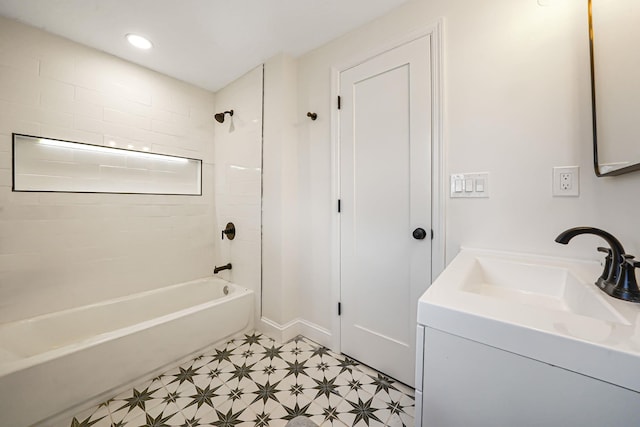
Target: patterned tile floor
<point>254,381</point>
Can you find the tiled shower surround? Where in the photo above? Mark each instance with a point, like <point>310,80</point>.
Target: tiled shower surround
<point>254,381</point>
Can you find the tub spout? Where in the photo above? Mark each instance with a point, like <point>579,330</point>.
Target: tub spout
<point>217,270</point>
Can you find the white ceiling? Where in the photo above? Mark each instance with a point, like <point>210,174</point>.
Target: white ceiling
<point>205,42</point>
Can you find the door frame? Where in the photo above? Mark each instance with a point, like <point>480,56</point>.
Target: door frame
<point>438,190</point>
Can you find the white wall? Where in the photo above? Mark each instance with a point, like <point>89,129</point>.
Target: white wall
<point>280,231</point>
<point>61,250</point>
<point>516,103</point>
<point>238,167</point>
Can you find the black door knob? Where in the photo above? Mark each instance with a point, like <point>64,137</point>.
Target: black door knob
<point>419,233</point>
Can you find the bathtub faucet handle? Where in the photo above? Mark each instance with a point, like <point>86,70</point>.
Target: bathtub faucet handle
<point>217,270</point>
<point>230,231</point>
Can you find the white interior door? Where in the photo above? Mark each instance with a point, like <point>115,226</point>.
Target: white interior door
<point>385,192</point>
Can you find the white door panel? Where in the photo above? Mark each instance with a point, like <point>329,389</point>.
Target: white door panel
<point>385,146</point>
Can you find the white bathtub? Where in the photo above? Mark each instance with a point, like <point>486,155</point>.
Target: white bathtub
<point>51,363</point>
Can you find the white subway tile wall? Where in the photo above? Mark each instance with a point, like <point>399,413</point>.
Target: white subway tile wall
<point>59,250</point>
<point>238,179</point>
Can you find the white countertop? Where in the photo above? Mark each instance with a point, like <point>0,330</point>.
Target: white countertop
<point>608,350</point>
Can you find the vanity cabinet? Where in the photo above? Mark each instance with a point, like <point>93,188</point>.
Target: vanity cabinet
<point>521,340</point>
<point>466,383</point>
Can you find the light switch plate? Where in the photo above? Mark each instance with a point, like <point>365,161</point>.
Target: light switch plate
<point>470,185</point>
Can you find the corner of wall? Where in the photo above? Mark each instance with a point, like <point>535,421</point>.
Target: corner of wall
<point>280,220</point>
<point>290,330</point>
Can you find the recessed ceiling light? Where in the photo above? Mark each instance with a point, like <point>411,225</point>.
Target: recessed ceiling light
<point>139,41</point>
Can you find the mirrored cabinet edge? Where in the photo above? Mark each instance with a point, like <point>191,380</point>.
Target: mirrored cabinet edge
<point>601,170</point>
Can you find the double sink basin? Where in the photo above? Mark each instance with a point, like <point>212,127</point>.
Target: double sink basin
<point>544,308</point>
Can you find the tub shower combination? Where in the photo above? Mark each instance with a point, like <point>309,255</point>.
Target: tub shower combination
<point>52,363</point>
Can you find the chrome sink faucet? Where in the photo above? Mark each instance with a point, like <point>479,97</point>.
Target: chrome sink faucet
<point>618,278</point>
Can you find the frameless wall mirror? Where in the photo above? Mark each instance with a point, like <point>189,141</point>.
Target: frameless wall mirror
<point>45,164</point>
<point>614,34</point>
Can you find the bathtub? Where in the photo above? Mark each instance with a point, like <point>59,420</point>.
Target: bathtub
<point>57,361</point>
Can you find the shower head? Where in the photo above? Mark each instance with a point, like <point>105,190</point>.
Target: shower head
<point>220,116</point>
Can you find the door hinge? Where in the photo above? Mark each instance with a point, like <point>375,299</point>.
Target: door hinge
<point>432,234</point>
<point>339,102</point>
<point>339,206</point>
<point>339,309</point>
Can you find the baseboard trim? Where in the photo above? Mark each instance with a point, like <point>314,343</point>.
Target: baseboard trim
<point>293,328</point>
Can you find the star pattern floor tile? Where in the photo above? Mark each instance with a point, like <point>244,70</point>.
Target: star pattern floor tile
<point>254,381</point>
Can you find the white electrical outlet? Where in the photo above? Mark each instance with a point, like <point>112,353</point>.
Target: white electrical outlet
<point>566,181</point>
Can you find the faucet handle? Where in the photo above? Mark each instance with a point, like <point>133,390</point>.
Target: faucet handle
<point>607,272</point>
<point>229,231</point>
<point>629,259</point>
<point>626,287</point>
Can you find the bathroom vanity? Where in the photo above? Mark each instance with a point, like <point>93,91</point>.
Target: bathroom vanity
<point>522,340</point>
